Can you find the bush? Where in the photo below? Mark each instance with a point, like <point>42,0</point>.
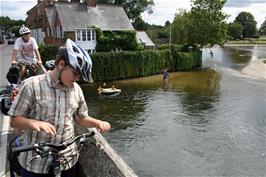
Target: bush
<point>48,52</point>
<point>122,65</point>
<point>129,64</point>
<point>108,41</point>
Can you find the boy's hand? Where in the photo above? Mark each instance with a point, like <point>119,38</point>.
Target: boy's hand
<point>42,126</point>
<point>103,126</point>
<point>39,62</point>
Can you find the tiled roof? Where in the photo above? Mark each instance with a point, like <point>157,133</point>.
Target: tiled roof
<point>49,13</point>
<point>76,15</point>
<point>142,37</point>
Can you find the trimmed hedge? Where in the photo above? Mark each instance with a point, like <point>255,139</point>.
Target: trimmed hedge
<point>108,41</point>
<point>122,65</point>
<point>48,52</point>
<point>129,64</point>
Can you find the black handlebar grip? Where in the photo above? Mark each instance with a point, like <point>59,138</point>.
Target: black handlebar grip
<point>92,133</point>
<point>24,148</point>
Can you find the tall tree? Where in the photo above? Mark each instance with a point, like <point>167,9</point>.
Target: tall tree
<point>167,23</point>
<point>179,27</point>
<point>139,24</point>
<point>248,23</point>
<point>207,22</point>
<point>6,22</point>
<point>263,28</point>
<point>234,30</point>
<point>133,8</point>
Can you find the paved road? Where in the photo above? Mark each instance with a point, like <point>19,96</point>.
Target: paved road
<point>5,62</point>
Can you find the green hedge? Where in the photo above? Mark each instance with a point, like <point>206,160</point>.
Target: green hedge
<point>122,65</point>
<point>129,64</point>
<point>108,41</point>
<point>187,61</point>
<point>48,52</point>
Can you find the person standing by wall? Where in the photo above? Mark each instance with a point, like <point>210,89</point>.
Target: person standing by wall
<point>47,106</point>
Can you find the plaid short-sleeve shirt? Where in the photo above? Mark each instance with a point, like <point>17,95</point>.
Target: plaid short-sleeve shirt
<point>41,99</point>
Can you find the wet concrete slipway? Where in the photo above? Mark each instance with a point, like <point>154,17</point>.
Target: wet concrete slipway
<point>101,160</point>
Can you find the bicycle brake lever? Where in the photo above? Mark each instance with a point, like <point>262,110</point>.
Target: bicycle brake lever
<point>41,155</point>
<point>35,157</point>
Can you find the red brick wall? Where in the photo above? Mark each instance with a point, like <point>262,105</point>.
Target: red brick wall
<point>36,15</point>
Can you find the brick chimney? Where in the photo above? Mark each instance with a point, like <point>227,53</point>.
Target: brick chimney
<point>91,3</point>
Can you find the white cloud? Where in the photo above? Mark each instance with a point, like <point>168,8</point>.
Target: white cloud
<point>257,10</point>
<point>16,9</point>
<point>164,10</point>
<point>243,3</point>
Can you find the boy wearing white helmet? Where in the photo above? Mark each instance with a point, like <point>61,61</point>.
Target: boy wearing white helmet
<point>47,105</point>
<point>26,48</point>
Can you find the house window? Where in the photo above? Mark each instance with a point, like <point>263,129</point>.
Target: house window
<point>78,37</point>
<point>58,32</point>
<point>89,35</point>
<point>48,32</point>
<point>53,32</point>
<point>90,51</point>
<point>85,35</point>
<point>93,35</point>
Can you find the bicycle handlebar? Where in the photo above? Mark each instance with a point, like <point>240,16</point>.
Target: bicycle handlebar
<point>57,147</point>
<point>24,148</point>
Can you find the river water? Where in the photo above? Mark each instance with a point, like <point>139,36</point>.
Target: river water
<point>207,122</point>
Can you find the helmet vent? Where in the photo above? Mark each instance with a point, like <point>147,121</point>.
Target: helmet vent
<point>80,61</point>
<point>75,49</point>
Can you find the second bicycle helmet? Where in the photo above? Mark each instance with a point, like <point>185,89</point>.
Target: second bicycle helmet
<point>77,58</point>
<point>24,30</point>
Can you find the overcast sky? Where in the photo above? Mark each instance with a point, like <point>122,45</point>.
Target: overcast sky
<point>163,10</point>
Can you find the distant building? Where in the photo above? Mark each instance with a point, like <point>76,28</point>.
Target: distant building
<point>143,38</point>
<point>52,21</point>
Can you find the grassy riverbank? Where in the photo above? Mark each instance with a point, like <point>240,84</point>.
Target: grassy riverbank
<point>247,42</point>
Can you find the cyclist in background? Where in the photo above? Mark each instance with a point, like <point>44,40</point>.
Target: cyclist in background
<point>47,106</point>
<point>26,48</point>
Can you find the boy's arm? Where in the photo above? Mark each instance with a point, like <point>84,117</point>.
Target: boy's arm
<point>39,61</point>
<point>21,122</point>
<point>89,122</point>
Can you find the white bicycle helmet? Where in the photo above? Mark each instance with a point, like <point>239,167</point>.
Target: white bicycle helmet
<point>24,30</point>
<point>78,58</point>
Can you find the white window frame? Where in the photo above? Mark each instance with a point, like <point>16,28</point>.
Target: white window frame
<point>85,35</point>
<point>57,32</point>
<point>48,31</point>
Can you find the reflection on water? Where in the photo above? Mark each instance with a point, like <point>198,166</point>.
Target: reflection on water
<point>235,57</point>
<point>202,123</point>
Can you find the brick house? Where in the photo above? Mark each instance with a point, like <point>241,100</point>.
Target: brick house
<point>51,21</point>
